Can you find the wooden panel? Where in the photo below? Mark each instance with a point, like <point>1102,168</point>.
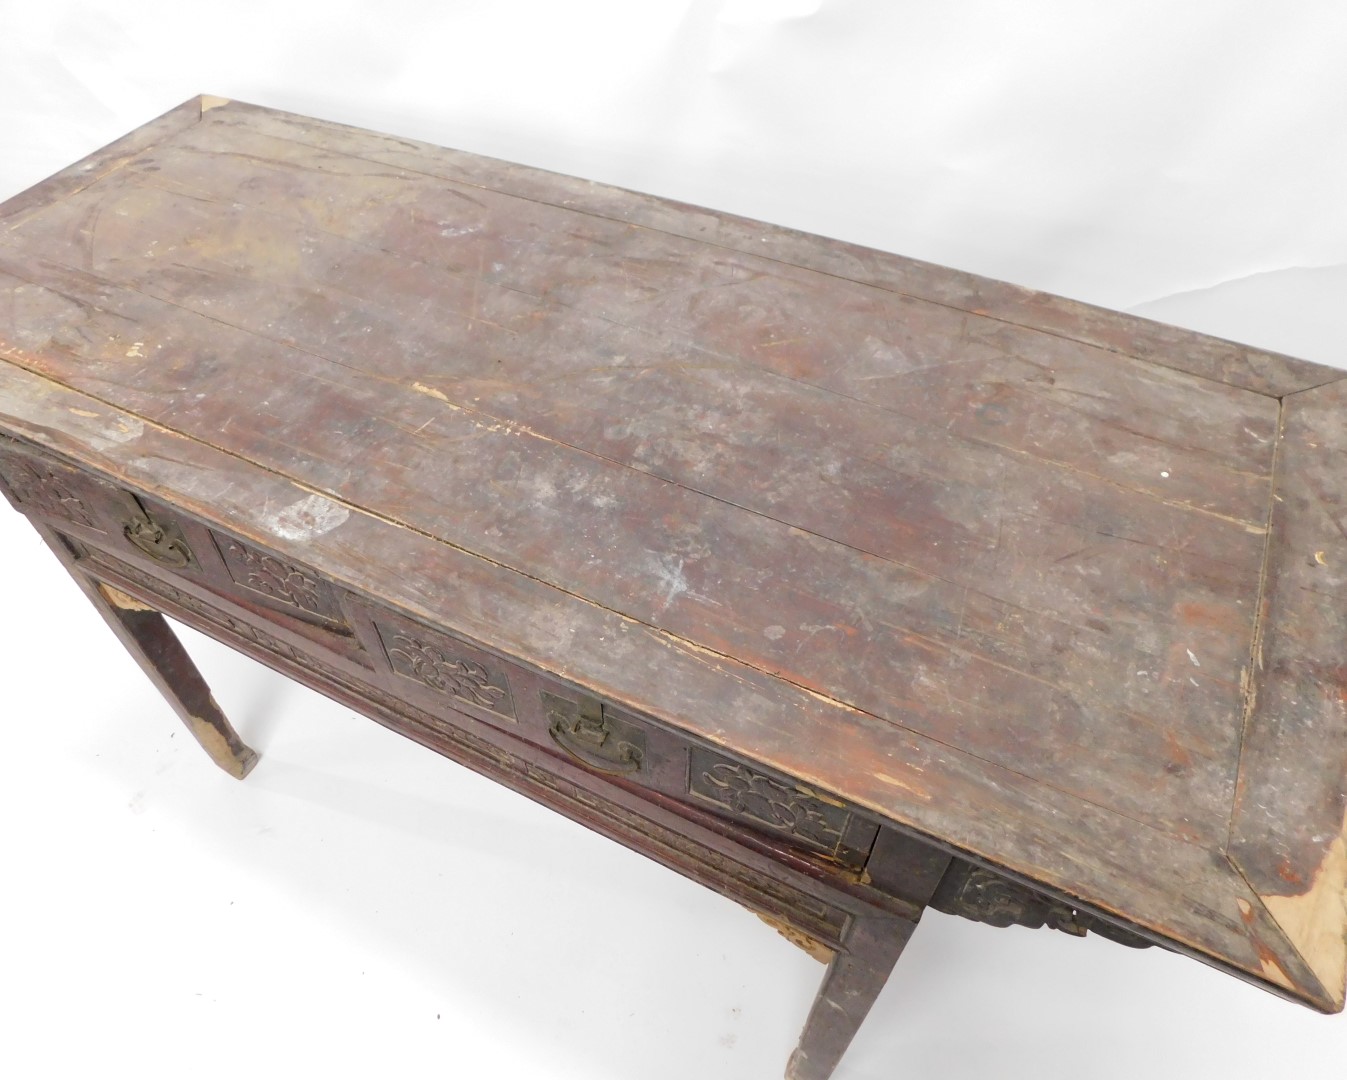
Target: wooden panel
<point>1289,835</point>
<point>40,486</point>
<point>1224,361</point>
<point>274,581</point>
<point>1183,892</point>
<point>440,668</point>
<point>808,818</point>
<point>690,848</point>
<point>274,646</point>
<point>978,562</point>
<point>100,163</point>
<point>1125,629</point>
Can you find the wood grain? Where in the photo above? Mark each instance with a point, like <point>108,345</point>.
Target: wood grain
<point>993,566</point>
<point>1181,891</point>
<point>921,546</point>
<point>1289,832</point>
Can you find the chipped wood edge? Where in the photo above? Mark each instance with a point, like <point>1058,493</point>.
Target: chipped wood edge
<point>122,600</point>
<point>238,761</point>
<point>1313,930</point>
<point>819,951</point>
<point>216,745</point>
<point>210,101</point>
<point>1316,921</point>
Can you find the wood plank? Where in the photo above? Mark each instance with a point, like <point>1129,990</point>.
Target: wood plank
<point>99,164</point>
<point>1195,722</point>
<point>871,633</point>
<point>1229,362</point>
<point>890,351</point>
<point>565,394</point>
<point>1211,451</point>
<point>1182,891</point>
<point>606,434</point>
<point>1289,833</point>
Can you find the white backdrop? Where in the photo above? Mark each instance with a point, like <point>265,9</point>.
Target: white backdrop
<point>359,906</point>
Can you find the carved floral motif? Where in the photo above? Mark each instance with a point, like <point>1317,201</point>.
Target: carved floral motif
<point>45,491</point>
<point>270,576</point>
<point>771,802</point>
<point>982,895</point>
<point>431,665</point>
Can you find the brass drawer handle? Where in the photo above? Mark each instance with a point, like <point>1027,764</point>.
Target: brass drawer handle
<point>594,740</point>
<point>161,542</point>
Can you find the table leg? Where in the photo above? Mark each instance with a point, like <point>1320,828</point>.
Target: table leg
<point>853,980</point>
<point>156,648</point>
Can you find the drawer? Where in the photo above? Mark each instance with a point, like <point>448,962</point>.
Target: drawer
<point>437,670</point>
<point>161,543</point>
<point>434,669</point>
<point>40,486</point>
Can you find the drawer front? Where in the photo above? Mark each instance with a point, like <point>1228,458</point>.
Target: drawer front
<point>153,537</point>
<point>778,805</point>
<point>48,489</point>
<point>615,743</point>
<point>435,669</point>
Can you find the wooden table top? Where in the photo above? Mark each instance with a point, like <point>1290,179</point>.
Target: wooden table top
<point>1061,588</point>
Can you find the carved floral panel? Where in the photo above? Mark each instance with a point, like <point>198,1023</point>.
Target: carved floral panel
<point>764,800</point>
<point>283,583</point>
<point>448,667</point>
<point>43,489</point>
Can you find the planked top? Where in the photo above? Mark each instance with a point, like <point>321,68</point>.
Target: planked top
<point>1061,588</point>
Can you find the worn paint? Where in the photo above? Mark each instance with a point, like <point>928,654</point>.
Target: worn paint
<point>430,391</point>
<point>666,466</point>
<point>1316,920</point>
<point>307,518</point>
<point>800,940</point>
<point>120,599</point>
<point>123,429</point>
<point>216,744</point>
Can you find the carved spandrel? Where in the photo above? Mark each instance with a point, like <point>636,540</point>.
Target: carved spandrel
<point>203,610</point>
<point>154,587</point>
<point>982,895</point>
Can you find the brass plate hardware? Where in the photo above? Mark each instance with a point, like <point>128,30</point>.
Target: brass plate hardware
<point>161,541</point>
<point>595,739</point>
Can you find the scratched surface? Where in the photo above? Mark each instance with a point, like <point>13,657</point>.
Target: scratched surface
<point>966,522</point>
